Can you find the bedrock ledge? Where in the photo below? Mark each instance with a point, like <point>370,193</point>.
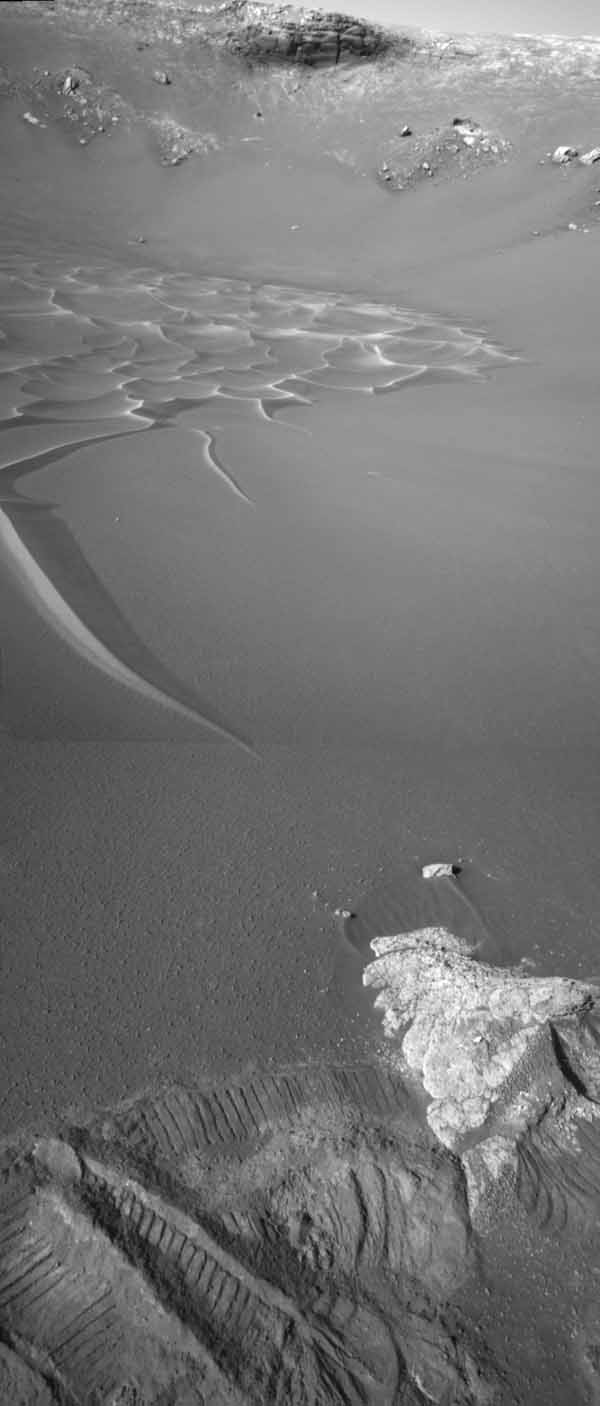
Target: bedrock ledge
<point>509,1065</point>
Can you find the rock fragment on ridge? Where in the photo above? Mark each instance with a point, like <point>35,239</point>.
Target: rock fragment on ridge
<point>564,154</point>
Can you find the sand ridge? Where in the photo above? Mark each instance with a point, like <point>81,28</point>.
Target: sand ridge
<point>103,353</point>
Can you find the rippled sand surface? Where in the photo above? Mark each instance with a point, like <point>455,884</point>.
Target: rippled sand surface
<point>96,353</point>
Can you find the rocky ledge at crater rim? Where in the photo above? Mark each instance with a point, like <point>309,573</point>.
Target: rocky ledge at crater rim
<point>502,1057</point>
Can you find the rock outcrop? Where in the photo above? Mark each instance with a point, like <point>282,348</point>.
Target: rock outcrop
<point>294,1237</point>
<point>564,154</point>
<point>509,1063</point>
<point>460,149</point>
<point>280,34</point>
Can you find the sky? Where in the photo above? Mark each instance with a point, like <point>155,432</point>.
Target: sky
<point>502,16</point>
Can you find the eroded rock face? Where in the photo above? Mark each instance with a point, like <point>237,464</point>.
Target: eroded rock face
<point>301,1236</point>
<point>469,1025</point>
<point>510,1063</point>
<point>297,1237</point>
<point>285,35</point>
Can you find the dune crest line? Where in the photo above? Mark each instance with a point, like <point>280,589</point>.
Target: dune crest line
<point>97,352</point>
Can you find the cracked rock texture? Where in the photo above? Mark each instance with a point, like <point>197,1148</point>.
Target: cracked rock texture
<point>510,1065</point>
<point>312,37</point>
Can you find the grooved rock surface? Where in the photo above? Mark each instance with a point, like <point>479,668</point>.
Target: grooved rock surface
<point>313,37</point>
<point>293,1238</point>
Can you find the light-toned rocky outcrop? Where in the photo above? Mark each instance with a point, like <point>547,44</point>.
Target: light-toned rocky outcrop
<point>509,1063</point>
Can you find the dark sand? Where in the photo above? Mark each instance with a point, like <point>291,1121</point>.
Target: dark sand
<point>392,635</point>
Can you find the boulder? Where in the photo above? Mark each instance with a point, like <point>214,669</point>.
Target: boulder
<point>564,154</point>
<point>440,871</point>
<point>589,158</point>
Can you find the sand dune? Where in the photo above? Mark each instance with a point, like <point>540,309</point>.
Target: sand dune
<point>298,543</point>
<point>179,351</point>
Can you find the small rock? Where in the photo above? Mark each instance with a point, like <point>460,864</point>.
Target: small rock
<point>343,913</point>
<point>160,76</point>
<point>467,128</point>
<point>58,1159</point>
<point>406,131</point>
<point>440,871</point>
<point>425,166</point>
<point>589,158</point>
<point>572,225</point>
<point>563,154</point>
<point>29,117</point>
<point>70,84</point>
<point>258,113</point>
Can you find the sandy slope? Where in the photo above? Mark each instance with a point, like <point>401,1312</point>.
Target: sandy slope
<point>403,625</point>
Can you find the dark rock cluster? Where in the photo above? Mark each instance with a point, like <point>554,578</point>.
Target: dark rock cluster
<point>308,37</point>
